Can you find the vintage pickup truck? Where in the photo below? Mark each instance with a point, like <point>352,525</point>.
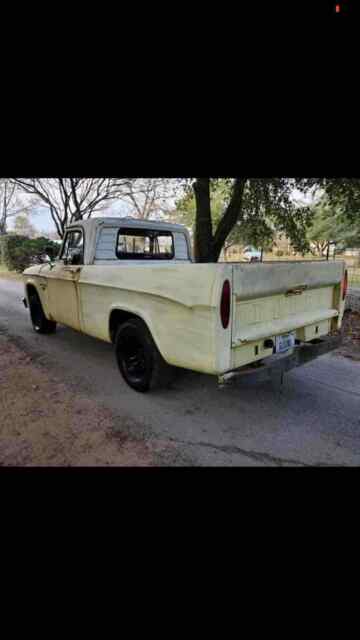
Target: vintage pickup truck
<point>133,283</point>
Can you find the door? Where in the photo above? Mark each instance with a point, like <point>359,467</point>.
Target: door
<point>63,278</point>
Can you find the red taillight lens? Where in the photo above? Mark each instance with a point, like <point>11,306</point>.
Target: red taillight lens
<point>225,304</point>
<point>345,284</point>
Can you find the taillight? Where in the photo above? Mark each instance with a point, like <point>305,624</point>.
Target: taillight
<point>225,304</point>
<point>345,284</point>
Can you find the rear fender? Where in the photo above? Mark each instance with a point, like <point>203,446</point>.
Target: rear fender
<point>138,314</point>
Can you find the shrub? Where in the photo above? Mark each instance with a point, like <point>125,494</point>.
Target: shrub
<point>19,252</point>
<point>10,247</point>
<point>279,253</point>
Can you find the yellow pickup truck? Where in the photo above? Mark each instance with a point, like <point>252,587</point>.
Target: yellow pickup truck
<point>133,283</point>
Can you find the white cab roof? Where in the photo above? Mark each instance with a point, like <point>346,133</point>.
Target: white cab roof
<point>128,222</point>
<point>93,225</point>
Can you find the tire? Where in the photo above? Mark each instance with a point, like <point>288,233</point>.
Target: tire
<point>139,360</point>
<point>39,321</point>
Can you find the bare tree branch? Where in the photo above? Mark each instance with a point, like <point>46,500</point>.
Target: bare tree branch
<point>70,199</point>
<point>11,203</point>
<point>149,197</point>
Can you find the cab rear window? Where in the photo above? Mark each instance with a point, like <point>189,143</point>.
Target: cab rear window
<point>143,244</point>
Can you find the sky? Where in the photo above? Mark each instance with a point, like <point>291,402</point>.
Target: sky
<point>41,219</point>
<point>43,223</point>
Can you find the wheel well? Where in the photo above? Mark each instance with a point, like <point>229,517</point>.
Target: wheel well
<point>31,290</point>
<point>118,317</point>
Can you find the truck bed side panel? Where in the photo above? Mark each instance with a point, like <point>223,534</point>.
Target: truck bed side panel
<point>175,301</point>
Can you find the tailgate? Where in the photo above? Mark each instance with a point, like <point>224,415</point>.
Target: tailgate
<point>273,298</point>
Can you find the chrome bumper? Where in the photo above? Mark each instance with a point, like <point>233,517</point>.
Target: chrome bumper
<point>279,364</point>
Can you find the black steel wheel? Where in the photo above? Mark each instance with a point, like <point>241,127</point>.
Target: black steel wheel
<point>138,357</point>
<point>39,321</point>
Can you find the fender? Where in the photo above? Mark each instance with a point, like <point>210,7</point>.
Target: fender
<point>138,314</point>
<point>40,285</point>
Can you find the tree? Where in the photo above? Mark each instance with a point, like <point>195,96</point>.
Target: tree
<point>342,193</point>
<point>149,197</point>
<point>250,207</point>
<point>52,235</point>
<point>11,203</point>
<point>19,252</point>
<point>331,224</point>
<point>258,233</point>
<point>250,230</point>
<point>71,199</point>
<point>23,226</point>
<point>185,211</point>
<point>324,227</point>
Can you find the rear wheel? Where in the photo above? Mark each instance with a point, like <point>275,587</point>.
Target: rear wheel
<point>139,360</point>
<point>39,321</point>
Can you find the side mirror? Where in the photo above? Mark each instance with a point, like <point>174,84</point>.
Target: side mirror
<point>46,259</point>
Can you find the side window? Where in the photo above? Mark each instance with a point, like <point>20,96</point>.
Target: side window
<point>73,248</point>
<point>143,244</point>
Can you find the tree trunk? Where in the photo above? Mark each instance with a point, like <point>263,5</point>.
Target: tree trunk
<point>3,221</point>
<point>230,218</point>
<point>203,237</point>
<point>207,247</point>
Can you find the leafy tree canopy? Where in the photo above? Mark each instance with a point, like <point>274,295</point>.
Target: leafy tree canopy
<point>332,224</point>
<point>223,211</point>
<point>343,193</point>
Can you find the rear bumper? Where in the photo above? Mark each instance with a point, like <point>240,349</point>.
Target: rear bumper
<point>278,364</point>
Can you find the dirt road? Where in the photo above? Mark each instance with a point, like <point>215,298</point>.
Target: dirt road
<point>314,419</point>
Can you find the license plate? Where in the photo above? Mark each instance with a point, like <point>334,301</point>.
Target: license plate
<point>285,342</point>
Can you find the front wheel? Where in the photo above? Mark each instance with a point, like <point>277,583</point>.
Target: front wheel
<point>39,321</point>
<point>139,360</point>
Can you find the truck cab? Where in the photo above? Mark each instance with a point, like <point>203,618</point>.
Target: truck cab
<point>106,241</point>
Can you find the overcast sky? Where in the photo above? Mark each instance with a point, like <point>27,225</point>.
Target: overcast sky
<point>42,221</point>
